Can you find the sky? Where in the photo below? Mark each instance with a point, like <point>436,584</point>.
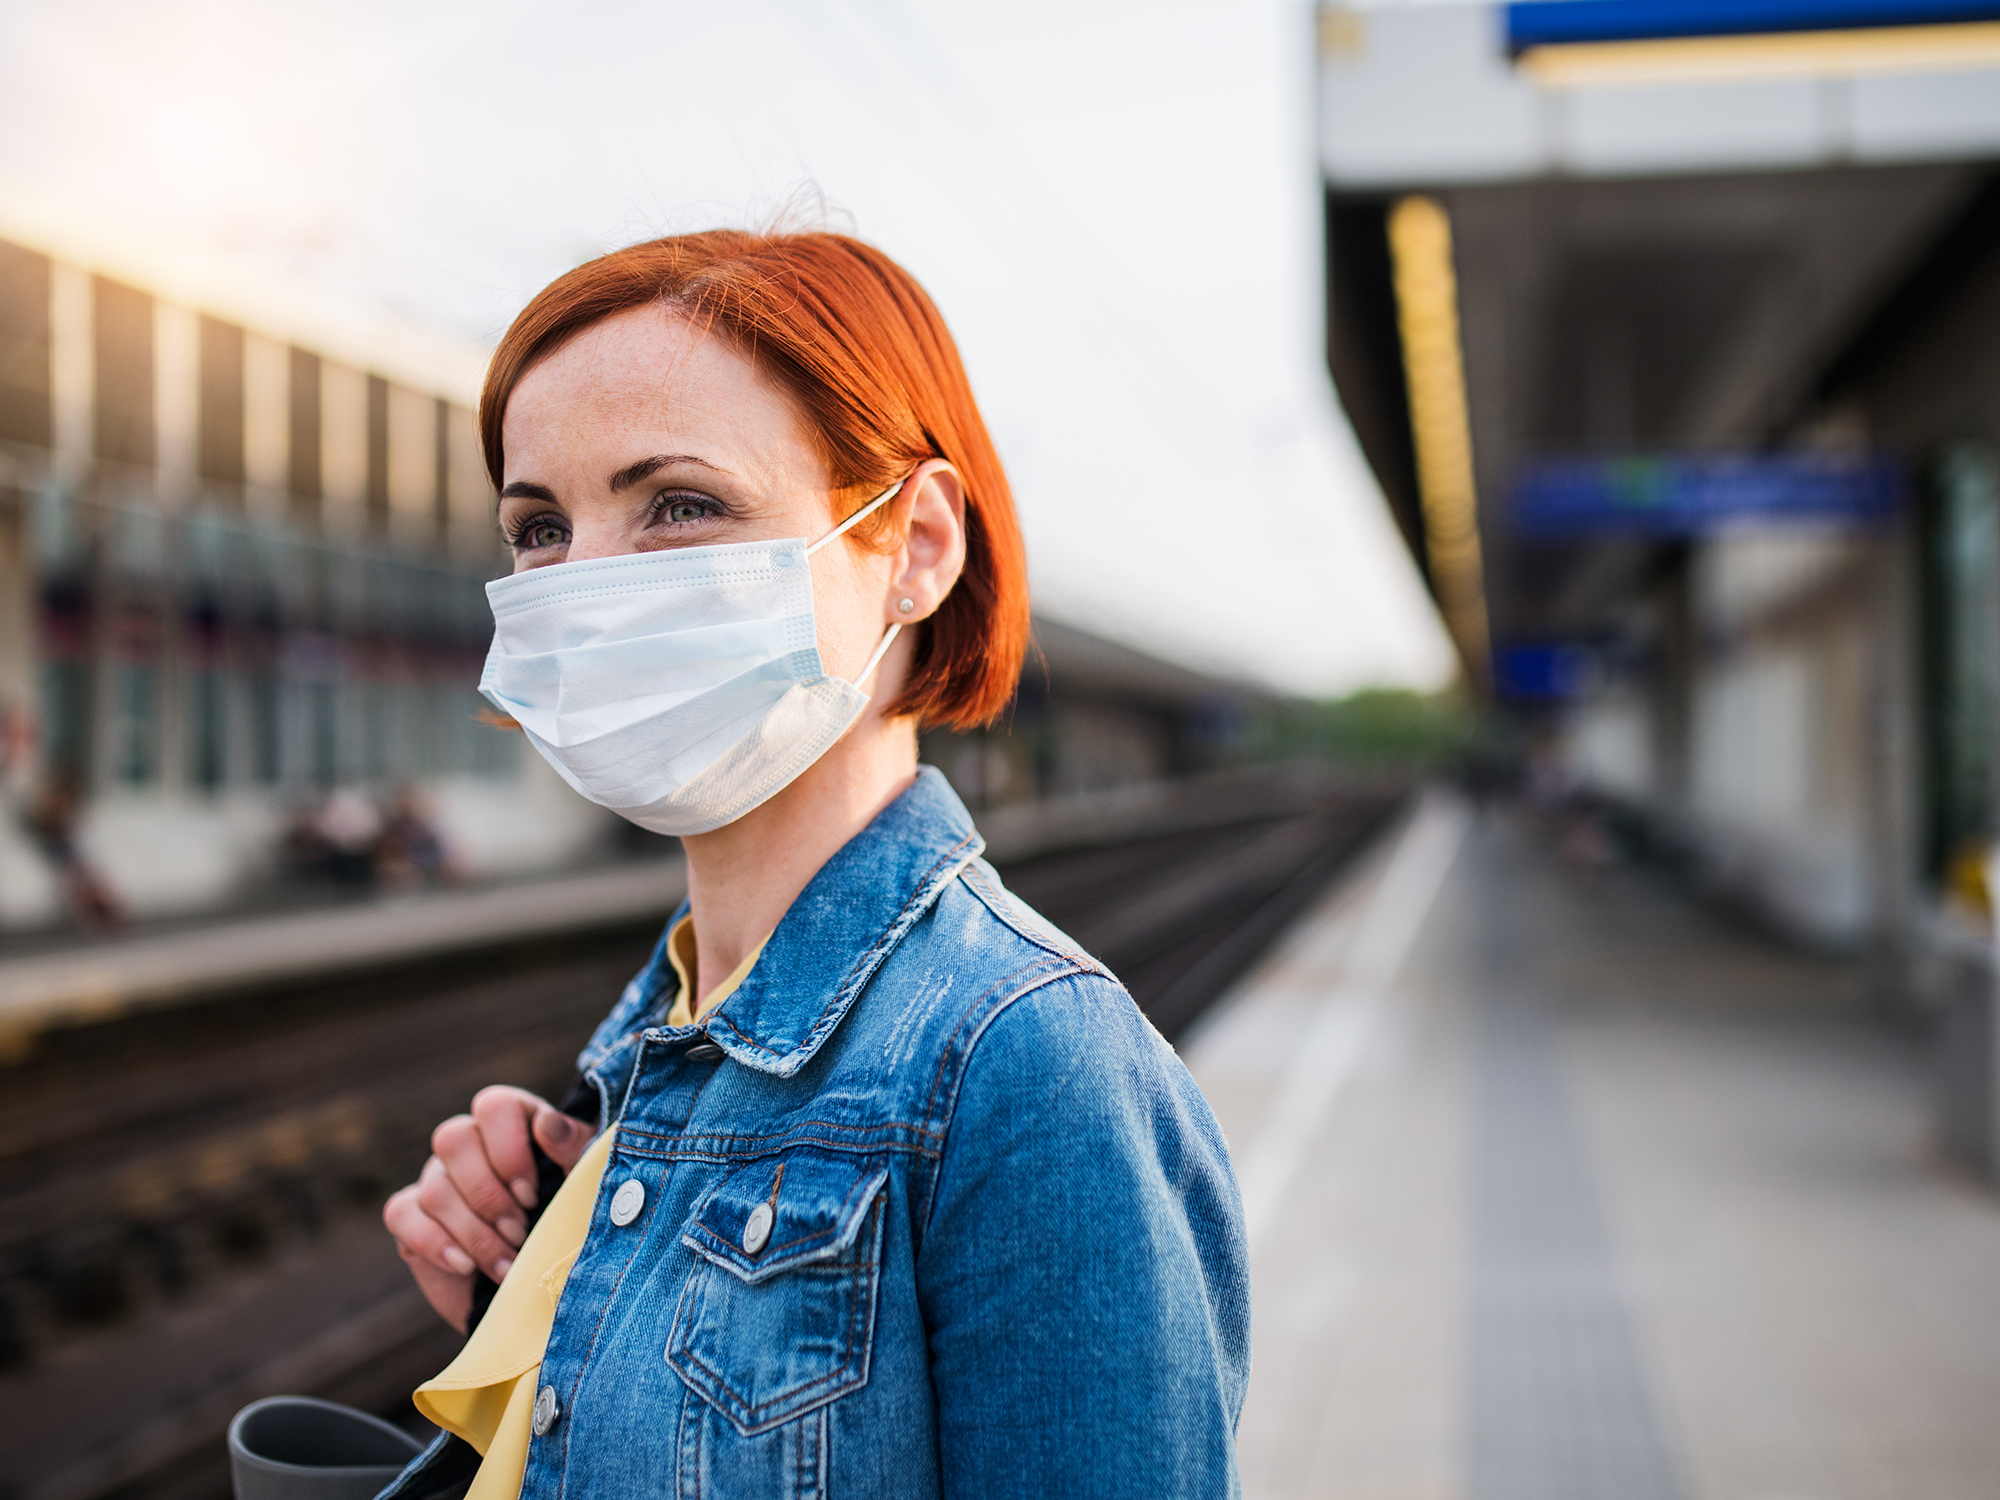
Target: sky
<point>1114,204</point>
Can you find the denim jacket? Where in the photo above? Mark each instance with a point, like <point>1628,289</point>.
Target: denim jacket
<point>929,1210</point>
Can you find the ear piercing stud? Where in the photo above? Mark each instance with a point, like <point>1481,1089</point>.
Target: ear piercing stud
<point>904,606</point>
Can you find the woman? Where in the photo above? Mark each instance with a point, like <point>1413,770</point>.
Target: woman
<point>885,1186</point>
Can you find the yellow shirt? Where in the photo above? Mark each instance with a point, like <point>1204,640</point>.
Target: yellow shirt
<point>487,1394</point>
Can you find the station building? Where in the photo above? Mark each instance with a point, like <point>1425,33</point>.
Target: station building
<point>1668,327</point>
<point>237,571</point>
<point>242,559</point>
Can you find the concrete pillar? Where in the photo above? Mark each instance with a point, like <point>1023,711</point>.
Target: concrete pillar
<point>1893,736</point>
<point>19,711</point>
<point>304,393</point>
<point>220,453</point>
<point>72,371</point>
<point>267,426</point>
<point>468,493</point>
<point>177,426</point>
<point>343,450</point>
<point>412,469</point>
<point>176,400</point>
<point>122,427</point>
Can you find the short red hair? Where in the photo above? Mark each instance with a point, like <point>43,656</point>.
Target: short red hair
<point>860,347</point>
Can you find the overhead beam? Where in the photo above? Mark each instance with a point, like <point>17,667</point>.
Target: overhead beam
<point>1440,426</point>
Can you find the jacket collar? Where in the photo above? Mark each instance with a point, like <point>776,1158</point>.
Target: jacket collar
<point>843,925</point>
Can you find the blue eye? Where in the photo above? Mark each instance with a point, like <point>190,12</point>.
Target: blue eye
<point>683,509</point>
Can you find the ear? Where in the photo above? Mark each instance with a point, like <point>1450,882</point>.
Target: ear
<point>933,551</point>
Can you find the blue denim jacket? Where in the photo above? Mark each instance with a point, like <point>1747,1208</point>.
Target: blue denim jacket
<point>1005,1251</point>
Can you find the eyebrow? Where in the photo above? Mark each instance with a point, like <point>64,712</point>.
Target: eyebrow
<point>645,468</point>
<point>624,479</point>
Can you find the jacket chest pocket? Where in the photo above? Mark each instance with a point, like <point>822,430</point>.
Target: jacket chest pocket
<point>778,1316</point>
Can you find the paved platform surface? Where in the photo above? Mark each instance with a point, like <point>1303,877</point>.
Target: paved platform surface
<point>1562,1189</point>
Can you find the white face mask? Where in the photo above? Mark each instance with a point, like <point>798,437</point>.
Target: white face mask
<point>680,688</point>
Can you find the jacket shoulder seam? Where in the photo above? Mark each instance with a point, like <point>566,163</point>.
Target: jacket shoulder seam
<point>955,1056</point>
<point>992,898</point>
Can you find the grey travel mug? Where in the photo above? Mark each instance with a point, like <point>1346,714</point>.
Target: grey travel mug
<point>296,1448</point>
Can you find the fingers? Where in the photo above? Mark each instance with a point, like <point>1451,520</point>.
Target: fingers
<point>426,1249</point>
<point>465,1211</point>
<point>419,1236</point>
<point>564,1138</point>
<point>438,1196</point>
<point>502,1114</point>
<point>460,1145</point>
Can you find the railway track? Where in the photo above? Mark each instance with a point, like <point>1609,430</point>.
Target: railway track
<point>189,1197</point>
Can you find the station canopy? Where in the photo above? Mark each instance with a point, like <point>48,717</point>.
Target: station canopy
<point>1672,225</point>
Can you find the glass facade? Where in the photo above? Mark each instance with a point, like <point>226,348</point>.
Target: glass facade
<point>1963,557</point>
<point>269,655</point>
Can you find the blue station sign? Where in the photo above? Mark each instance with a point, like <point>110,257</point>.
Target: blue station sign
<point>1555,23</point>
<point>1540,671</point>
<point>1695,495</point>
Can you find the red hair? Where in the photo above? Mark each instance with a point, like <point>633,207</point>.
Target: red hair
<point>858,345</point>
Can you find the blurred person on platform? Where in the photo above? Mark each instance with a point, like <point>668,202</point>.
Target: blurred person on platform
<point>51,818</point>
<point>20,745</point>
<point>873,1183</point>
<point>411,851</point>
<point>338,838</point>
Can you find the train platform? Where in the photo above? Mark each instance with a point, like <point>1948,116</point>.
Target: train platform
<point>77,979</point>
<point>1561,1188</point>
<point>104,977</point>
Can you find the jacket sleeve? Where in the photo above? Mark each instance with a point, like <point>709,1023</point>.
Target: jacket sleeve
<point>1083,1272</point>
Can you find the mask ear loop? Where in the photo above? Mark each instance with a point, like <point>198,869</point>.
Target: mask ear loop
<point>861,515</point>
<point>889,635</point>
<point>881,649</point>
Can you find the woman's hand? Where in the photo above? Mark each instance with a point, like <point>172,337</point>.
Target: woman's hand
<point>466,1211</point>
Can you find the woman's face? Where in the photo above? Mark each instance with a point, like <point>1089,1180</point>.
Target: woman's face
<point>643,432</point>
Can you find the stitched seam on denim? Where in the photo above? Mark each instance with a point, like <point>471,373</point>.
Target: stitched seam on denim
<point>603,1312</point>
<point>990,897</point>
<point>594,1057</point>
<point>864,966</point>
<point>687,1458</point>
<point>722,1148</point>
<point>714,1159</point>
<point>848,1345</point>
<point>977,1016</point>
<point>432,1455</point>
<point>611,1296</point>
<point>927,889</point>
<point>958,1075</point>
<point>681,1330</point>
<point>987,1005</point>
<point>632,1079</point>
<point>810,1123</point>
<point>763,1256</point>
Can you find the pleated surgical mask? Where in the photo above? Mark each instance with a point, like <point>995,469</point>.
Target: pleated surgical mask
<point>679,688</point>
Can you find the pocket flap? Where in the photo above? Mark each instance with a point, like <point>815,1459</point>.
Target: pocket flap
<point>807,1207</point>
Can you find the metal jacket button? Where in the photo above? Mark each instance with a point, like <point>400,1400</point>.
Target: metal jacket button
<point>627,1201</point>
<point>757,1229</point>
<point>546,1410</point>
<point>704,1052</point>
